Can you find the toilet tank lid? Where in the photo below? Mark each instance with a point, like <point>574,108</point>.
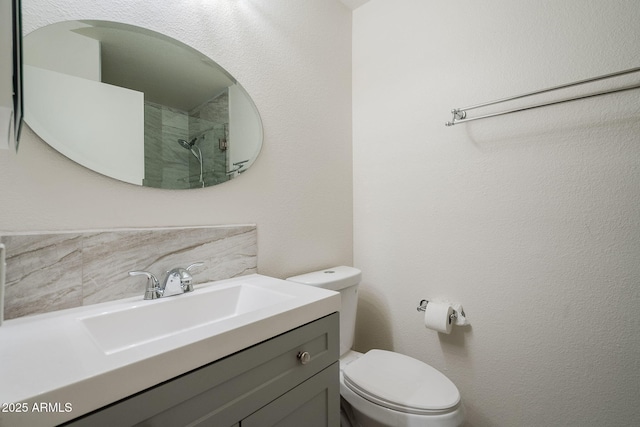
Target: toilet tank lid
<point>335,278</point>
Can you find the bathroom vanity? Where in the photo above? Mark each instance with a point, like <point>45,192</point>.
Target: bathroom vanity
<point>269,384</point>
<point>253,351</point>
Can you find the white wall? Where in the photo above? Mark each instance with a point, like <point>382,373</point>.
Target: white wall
<point>531,220</point>
<point>100,126</point>
<point>59,48</point>
<point>299,190</point>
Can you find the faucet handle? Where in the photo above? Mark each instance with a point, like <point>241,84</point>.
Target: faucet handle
<point>153,290</point>
<point>195,264</point>
<point>185,281</point>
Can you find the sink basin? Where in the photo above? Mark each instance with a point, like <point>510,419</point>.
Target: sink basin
<point>149,321</point>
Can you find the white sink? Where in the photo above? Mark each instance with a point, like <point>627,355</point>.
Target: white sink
<point>148,321</point>
<point>93,355</point>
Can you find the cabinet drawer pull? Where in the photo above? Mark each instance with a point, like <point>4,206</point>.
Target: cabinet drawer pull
<point>304,357</point>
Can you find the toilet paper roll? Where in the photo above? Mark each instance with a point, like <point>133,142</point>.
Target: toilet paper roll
<point>437,316</point>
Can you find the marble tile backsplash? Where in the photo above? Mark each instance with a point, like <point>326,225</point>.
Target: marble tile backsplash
<point>54,271</point>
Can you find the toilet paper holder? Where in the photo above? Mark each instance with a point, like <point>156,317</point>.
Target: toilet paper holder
<point>423,306</point>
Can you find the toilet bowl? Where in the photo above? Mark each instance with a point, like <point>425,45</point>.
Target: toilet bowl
<point>390,389</point>
<point>382,388</point>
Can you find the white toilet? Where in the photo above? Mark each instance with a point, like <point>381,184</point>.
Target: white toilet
<point>383,388</point>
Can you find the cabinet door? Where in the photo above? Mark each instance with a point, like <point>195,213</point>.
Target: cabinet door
<point>314,403</point>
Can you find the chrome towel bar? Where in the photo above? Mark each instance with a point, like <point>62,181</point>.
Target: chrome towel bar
<point>460,114</point>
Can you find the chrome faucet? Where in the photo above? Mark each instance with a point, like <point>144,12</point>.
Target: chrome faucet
<point>177,281</point>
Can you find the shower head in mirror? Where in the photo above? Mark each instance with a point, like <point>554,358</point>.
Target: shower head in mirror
<point>187,144</point>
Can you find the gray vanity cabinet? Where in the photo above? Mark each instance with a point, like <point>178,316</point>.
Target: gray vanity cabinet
<point>306,405</point>
<point>264,385</point>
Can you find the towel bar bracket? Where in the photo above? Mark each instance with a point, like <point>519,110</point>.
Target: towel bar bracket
<point>458,114</point>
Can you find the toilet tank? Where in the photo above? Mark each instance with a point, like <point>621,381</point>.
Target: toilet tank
<point>345,280</point>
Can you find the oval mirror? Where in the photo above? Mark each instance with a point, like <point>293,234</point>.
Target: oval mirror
<point>137,106</point>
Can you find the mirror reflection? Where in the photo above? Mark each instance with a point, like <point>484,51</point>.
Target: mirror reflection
<point>137,106</point>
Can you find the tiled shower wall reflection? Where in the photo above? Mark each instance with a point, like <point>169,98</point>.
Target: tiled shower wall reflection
<point>54,271</point>
<point>169,165</point>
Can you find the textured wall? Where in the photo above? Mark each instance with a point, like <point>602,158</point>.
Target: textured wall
<point>294,59</point>
<point>531,220</point>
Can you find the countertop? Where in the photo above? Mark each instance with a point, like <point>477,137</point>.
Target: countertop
<point>52,370</point>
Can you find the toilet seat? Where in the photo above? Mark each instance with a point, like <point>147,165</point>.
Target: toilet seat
<point>401,383</point>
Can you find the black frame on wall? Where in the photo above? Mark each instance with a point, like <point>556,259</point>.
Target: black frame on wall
<point>18,108</point>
